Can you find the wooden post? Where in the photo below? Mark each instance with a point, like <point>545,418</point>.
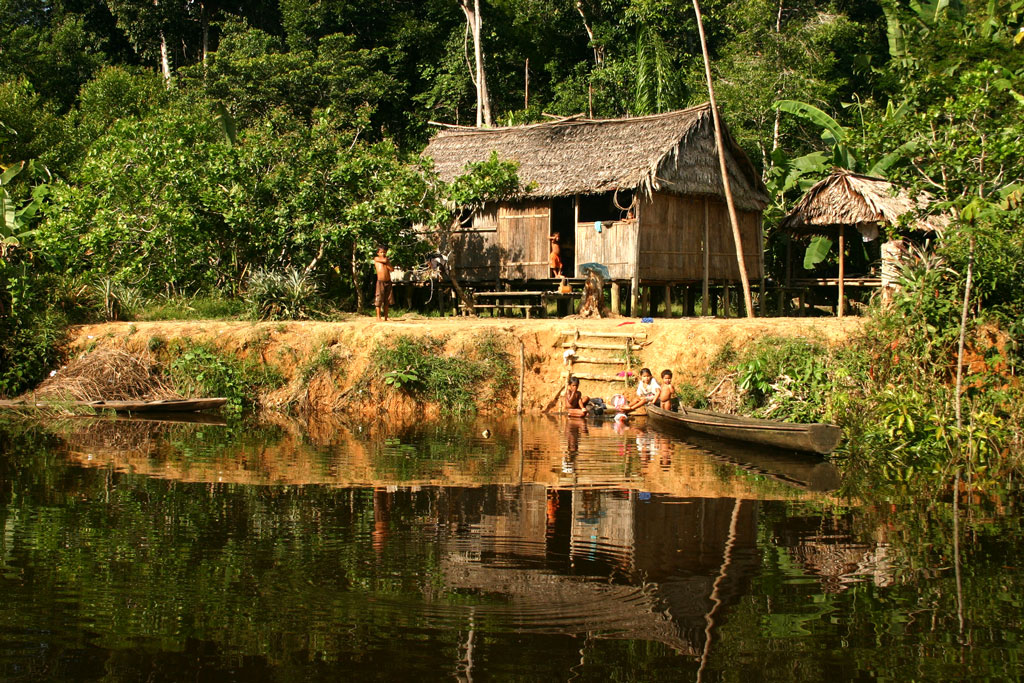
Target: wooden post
<point>762,297</point>
<point>726,303</point>
<point>616,297</point>
<point>629,360</point>
<point>634,289</point>
<point>706,285</point>
<point>522,372</point>
<point>686,301</point>
<point>668,301</point>
<point>789,260</point>
<point>842,271</point>
<point>730,204</point>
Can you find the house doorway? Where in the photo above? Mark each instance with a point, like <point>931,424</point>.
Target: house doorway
<point>563,222</point>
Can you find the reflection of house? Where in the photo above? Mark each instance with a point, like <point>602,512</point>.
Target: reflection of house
<point>643,196</point>
<point>828,549</point>
<point>846,205</point>
<point>632,567</point>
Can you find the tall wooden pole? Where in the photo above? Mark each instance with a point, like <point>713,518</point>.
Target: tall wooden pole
<point>740,261</point>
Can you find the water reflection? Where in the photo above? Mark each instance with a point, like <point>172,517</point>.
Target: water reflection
<point>498,548</point>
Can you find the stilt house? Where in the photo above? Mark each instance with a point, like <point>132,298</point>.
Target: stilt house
<point>847,204</point>
<point>643,196</point>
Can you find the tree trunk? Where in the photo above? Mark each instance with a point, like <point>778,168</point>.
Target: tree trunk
<point>206,31</point>
<point>165,64</point>
<point>740,260</point>
<point>592,304</point>
<point>963,335</point>
<point>483,101</point>
<point>464,297</point>
<point>355,278</point>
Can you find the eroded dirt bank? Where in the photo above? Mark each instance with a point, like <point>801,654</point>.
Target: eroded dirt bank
<point>684,345</point>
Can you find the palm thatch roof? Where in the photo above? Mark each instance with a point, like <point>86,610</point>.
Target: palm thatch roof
<point>847,198</point>
<point>673,152</point>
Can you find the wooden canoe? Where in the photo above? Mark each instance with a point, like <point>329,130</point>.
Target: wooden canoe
<point>165,406</point>
<point>813,438</point>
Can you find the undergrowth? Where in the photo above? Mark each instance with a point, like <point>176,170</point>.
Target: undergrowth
<point>324,360</point>
<point>420,367</point>
<point>201,370</point>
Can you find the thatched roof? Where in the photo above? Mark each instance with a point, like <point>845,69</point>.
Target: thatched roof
<point>847,198</point>
<point>672,152</point>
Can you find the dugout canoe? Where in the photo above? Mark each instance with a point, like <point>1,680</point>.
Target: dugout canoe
<point>180,405</point>
<point>811,438</point>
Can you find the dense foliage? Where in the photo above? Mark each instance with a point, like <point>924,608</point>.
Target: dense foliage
<point>160,157</point>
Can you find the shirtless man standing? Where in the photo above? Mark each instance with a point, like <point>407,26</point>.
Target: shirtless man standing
<point>385,295</point>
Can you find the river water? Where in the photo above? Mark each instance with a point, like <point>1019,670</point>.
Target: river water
<point>541,549</point>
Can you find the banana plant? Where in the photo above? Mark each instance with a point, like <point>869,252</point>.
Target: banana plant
<point>806,170</point>
<point>14,221</point>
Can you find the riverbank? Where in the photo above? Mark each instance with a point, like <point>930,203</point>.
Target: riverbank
<point>291,348</point>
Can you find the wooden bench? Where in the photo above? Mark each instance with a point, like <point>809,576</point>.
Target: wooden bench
<point>530,301</point>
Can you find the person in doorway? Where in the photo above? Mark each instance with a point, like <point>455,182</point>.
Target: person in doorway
<point>575,402</point>
<point>555,257</point>
<point>384,297</point>
<point>667,394</point>
<point>647,390</point>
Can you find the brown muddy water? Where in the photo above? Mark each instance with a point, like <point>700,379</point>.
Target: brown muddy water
<point>541,549</point>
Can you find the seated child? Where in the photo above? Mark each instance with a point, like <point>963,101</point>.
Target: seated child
<point>667,394</point>
<point>646,391</point>
<point>575,402</point>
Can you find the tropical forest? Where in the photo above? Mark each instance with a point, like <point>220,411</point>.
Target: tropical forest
<point>198,199</point>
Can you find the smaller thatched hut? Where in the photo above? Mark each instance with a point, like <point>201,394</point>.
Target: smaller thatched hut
<point>872,206</point>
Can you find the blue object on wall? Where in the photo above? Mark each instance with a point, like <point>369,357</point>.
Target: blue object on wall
<point>597,226</point>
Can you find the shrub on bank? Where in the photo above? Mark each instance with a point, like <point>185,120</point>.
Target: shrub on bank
<point>201,370</point>
<point>419,366</point>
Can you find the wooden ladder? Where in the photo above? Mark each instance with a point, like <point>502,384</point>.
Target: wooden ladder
<point>606,342</point>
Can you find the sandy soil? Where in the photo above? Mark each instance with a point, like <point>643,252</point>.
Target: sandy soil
<point>684,345</point>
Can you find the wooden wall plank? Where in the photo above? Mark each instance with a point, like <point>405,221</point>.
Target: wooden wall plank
<point>614,247</point>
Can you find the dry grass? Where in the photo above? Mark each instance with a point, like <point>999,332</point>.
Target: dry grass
<point>107,375</point>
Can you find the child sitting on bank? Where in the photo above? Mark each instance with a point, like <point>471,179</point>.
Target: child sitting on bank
<point>667,393</point>
<point>575,402</point>
<point>646,391</point>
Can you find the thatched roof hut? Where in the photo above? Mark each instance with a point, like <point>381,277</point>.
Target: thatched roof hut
<point>852,199</point>
<point>673,152</point>
<point>643,196</point>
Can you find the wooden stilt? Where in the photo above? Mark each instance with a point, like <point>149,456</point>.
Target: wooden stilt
<point>616,298</point>
<point>706,284</point>
<point>842,271</point>
<point>726,304</point>
<point>668,301</point>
